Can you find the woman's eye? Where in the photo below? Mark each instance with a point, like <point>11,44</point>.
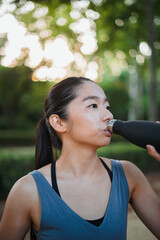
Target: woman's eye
<point>93,105</point>
<point>108,107</point>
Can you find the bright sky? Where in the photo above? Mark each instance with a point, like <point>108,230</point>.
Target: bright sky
<point>56,52</point>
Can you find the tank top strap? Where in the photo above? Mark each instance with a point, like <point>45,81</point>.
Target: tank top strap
<point>119,176</point>
<point>43,185</point>
<point>53,178</point>
<point>107,168</point>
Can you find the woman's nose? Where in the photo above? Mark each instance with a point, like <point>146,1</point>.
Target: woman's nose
<point>107,115</point>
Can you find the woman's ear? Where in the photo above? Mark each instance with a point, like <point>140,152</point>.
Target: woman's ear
<point>57,123</point>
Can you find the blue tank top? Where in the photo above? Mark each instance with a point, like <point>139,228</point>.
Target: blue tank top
<point>60,222</point>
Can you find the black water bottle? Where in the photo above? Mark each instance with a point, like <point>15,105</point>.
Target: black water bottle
<point>137,132</point>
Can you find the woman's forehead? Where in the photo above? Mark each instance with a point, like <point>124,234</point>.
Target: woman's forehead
<point>90,89</point>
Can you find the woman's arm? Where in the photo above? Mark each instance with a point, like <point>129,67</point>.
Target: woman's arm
<point>143,199</point>
<point>16,218</point>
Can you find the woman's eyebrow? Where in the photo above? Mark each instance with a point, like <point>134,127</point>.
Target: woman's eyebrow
<point>95,98</point>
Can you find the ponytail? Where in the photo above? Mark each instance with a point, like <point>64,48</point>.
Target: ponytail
<point>43,152</point>
<point>48,144</point>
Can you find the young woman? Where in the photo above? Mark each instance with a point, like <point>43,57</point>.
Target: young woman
<point>80,196</point>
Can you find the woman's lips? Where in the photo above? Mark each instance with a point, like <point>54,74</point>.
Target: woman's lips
<point>107,132</point>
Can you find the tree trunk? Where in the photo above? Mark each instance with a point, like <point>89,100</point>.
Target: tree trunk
<point>133,92</point>
<point>153,105</point>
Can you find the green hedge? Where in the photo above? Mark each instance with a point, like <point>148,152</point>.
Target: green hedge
<point>17,137</point>
<point>18,161</point>
<point>132,153</point>
<point>25,137</point>
<point>14,163</point>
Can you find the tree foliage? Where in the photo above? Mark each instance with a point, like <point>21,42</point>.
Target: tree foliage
<point>120,29</point>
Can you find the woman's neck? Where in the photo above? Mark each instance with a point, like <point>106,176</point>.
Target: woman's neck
<point>78,160</point>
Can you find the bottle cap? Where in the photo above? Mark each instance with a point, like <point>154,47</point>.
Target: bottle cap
<point>110,125</point>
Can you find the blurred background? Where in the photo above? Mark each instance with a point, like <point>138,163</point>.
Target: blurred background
<point>114,43</point>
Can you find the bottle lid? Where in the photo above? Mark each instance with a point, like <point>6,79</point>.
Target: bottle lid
<point>110,125</point>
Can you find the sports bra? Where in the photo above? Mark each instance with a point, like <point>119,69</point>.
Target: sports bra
<point>95,222</point>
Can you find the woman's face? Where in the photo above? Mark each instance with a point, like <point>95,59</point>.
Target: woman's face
<point>89,114</point>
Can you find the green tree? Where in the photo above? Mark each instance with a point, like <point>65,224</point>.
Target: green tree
<point>122,26</point>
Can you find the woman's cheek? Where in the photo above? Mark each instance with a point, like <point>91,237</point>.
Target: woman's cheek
<point>85,120</point>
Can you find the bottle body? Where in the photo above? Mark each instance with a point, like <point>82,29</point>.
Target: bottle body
<point>137,132</point>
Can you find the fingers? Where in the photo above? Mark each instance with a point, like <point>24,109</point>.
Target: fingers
<point>152,152</point>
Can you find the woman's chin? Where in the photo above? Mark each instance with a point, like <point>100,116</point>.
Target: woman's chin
<point>103,144</point>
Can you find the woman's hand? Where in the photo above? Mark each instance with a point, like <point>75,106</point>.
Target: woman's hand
<point>152,151</point>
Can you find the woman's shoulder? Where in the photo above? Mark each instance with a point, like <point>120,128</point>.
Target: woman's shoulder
<point>133,175</point>
<point>22,195</point>
<point>27,184</point>
<point>46,172</point>
<point>128,167</point>
<point>24,187</point>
